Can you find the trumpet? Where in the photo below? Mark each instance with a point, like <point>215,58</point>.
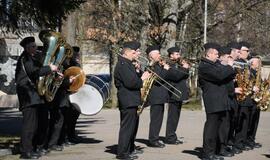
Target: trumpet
<point>241,65</point>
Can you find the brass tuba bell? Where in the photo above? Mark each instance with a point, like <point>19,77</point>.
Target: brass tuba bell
<point>57,51</point>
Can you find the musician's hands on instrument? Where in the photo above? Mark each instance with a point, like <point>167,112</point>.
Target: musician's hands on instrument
<point>166,66</point>
<point>185,64</point>
<point>71,79</point>
<point>256,89</point>
<point>53,67</point>
<point>145,75</point>
<point>238,90</point>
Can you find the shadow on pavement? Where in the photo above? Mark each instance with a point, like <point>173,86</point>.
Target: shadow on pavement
<point>111,149</point>
<point>85,140</point>
<point>266,155</point>
<point>196,152</point>
<point>143,141</point>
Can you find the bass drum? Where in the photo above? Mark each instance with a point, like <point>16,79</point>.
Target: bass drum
<point>91,97</point>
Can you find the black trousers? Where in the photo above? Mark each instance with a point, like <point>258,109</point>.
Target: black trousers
<point>71,116</point>
<point>56,124</point>
<point>29,128</point>
<point>129,122</point>
<point>233,117</point>
<point>243,124</point>
<point>253,123</point>
<point>156,118</point>
<point>211,131</point>
<point>223,132</point>
<point>174,111</point>
<point>41,137</point>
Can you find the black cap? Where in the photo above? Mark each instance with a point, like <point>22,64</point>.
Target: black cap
<point>211,45</point>
<point>173,49</point>
<point>152,48</point>
<point>26,41</point>
<point>76,49</point>
<point>224,50</point>
<point>234,45</point>
<point>134,45</point>
<point>244,44</point>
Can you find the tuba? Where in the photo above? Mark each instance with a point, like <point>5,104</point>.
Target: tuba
<point>56,52</point>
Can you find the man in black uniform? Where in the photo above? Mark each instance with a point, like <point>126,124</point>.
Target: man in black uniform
<point>211,80</point>
<point>245,107</point>
<point>27,73</point>
<point>59,108</point>
<point>224,150</point>
<point>255,112</point>
<point>128,83</point>
<point>158,96</point>
<point>234,108</point>
<point>71,114</point>
<point>175,103</point>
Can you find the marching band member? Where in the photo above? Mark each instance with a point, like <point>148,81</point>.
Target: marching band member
<point>27,73</point>
<point>224,150</point>
<point>255,112</point>
<point>128,83</point>
<point>233,90</point>
<point>211,80</point>
<point>175,103</point>
<point>245,107</point>
<point>158,96</point>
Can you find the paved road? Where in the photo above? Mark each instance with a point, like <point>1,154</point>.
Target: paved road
<point>100,134</point>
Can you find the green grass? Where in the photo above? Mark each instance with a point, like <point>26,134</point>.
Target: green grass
<point>192,105</point>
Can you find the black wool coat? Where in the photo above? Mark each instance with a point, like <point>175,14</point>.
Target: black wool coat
<point>212,80</point>
<point>128,83</point>
<point>27,73</point>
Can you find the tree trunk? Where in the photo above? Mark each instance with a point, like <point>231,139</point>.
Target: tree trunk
<point>170,19</point>
<point>113,61</point>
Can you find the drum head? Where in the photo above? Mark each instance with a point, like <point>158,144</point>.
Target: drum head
<point>87,100</point>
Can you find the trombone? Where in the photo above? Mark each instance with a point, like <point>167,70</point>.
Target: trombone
<point>147,85</point>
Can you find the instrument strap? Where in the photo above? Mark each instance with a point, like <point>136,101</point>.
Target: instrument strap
<point>29,80</point>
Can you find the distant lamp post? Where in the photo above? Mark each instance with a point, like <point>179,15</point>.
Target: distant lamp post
<point>205,22</point>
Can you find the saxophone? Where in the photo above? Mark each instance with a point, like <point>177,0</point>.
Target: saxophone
<point>258,83</point>
<point>57,50</point>
<point>265,91</point>
<point>243,81</point>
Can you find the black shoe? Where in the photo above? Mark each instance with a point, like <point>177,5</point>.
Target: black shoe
<point>156,144</point>
<point>137,151</point>
<point>236,150</point>
<point>29,155</point>
<point>217,157</point>
<point>55,148</point>
<point>257,145</point>
<point>127,157</point>
<point>42,151</point>
<point>212,157</point>
<point>69,143</point>
<point>240,147</point>
<point>174,142</point>
<point>225,153</point>
<point>247,147</point>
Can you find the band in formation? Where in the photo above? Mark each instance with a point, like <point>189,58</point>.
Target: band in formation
<point>233,93</point>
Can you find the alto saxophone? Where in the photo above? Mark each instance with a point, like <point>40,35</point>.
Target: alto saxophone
<point>265,91</point>
<point>258,83</point>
